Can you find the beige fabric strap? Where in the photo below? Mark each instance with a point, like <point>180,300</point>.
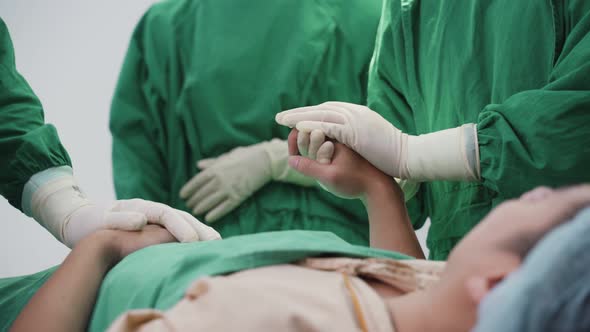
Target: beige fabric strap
<point>356,303</point>
<point>405,275</point>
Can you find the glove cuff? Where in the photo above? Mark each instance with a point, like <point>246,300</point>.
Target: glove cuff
<point>278,154</point>
<point>451,154</point>
<point>53,199</point>
<point>38,180</point>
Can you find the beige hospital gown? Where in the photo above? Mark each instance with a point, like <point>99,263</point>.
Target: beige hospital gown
<point>316,294</point>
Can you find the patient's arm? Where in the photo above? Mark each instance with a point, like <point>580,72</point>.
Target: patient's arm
<point>390,225</point>
<point>351,176</point>
<point>66,301</point>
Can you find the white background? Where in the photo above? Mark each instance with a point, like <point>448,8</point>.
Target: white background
<point>70,52</point>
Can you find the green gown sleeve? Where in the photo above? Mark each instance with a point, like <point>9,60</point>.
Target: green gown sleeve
<point>386,96</point>
<point>542,137</point>
<point>139,167</point>
<point>27,144</point>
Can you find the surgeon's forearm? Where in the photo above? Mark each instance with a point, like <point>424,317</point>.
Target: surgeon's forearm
<point>389,223</point>
<point>66,301</point>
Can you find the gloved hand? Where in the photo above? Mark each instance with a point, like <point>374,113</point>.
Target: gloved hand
<point>308,144</point>
<point>228,180</point>
<point>53,198</point>
<point>312,145</point>
<point>450,154</point>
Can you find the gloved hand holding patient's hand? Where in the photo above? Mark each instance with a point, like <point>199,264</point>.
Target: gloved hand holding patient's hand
<point>315,146</point>
<point>347,176</point>
<point>121,244</point>
<point>53,198</point>
<point>223,183</point>
<point>450,154</point>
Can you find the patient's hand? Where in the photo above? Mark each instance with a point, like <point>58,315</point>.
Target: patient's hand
<point>65,301</point>
<point>316,146</point>
<point>348,175</point>
<point>119,244</point>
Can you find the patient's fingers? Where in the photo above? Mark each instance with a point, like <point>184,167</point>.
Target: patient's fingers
<point>303,140</point>
<point>292,142</point>
<point>316,139</point>
<point>325,153</point>
<point>309,167</point>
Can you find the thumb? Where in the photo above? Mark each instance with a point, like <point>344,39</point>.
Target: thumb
<point>308,167</point>
<point>206,163</point>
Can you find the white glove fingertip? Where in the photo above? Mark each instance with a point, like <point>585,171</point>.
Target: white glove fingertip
<point>206,233</point>
<point>206,163</point>
<point>195,183</point>
<point>186,237</point>
<point>208,203</point>
<point>279,118</point>
<point>203,192</point>
<point>219,211</point>
<point>185,191</point>
<point>176,225</point>
<point>282,117</point>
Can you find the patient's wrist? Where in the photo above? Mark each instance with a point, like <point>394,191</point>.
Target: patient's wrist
<point>103,245</point>
<point>381,186</point>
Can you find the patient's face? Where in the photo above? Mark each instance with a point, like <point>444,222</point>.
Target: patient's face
<point>500,242</point>
<point>515,226</point>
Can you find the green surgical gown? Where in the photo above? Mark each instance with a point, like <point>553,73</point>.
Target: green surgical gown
<point>202,77</point>
<point>156,277</point>
<point>27,144</point>
<point>520,70</point>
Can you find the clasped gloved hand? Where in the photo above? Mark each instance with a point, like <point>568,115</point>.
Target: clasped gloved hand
<point>450,154</point>
<point>226,181</point>
<point>53,198</point>
<point>308,143</point>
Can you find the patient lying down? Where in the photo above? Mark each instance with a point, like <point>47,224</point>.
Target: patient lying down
<point>322,293</point>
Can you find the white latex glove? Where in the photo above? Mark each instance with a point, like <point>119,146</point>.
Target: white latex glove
<point>309,143</point>
<point>53,198</point>
<point>228,180</point>
<point>450,154</point>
